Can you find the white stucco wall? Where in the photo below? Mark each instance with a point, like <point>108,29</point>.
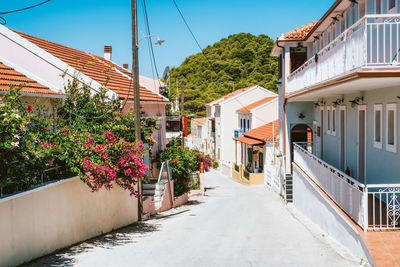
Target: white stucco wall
<point>308,200</point>
<point>229,118</point>
<point>40,221</point>
<point>265,114</point>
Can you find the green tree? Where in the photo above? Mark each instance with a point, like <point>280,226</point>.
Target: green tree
<point>241,60</point>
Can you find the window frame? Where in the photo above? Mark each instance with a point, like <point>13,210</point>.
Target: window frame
<point>333,126</point>
<point>328,121</point>
<point>378,107</point>
<point>390,147</point>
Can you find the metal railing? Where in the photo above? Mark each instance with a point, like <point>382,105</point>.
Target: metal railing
<point>384,206</point>
<point>345,191</point>
<point>374,40</point>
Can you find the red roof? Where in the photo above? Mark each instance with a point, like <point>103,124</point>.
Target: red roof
<point>266,132</point>
<point>9,76</point>
<point>256,104</point>
<point>95,67</point>
<point>248,141</point>
<point>226,97</point>
<point>299,33</point>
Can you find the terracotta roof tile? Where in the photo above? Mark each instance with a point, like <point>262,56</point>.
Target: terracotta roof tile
<point>265,132</point>
<point>299,33</point>
<point>9,76</point>
<point>230,95</point>
<point>256,104</point>
<point>248,141</point>
<point>95,67</point>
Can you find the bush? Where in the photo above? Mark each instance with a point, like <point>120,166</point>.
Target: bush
<point>183,161</point>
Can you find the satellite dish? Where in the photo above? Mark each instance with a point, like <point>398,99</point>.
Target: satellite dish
<point>166,73</point>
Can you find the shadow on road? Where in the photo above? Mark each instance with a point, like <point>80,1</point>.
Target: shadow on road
<point>120,237</point>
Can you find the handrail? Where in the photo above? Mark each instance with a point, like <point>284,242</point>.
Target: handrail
<point>165,163</point>
<point>382,185</point>
<point>327,165</point>
<point>343,34</point>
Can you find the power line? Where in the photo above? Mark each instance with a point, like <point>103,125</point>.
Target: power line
<point>150,44</point>
<point>3,22</point>
<point>190,30</point>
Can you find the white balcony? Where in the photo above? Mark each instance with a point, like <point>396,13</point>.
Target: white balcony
<point>371,206</point>
<point>374,41</point>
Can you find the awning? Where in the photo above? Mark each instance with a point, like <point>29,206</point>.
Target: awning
<point>248,141</point>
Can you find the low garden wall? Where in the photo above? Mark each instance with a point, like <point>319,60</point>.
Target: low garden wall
<point>40,221</point>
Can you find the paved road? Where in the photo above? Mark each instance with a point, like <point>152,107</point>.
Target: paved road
<point>234,225</point>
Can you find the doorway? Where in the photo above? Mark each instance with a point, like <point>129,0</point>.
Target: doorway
<point>361,142</point>
<point>298,56</point>
<point>300,133</point>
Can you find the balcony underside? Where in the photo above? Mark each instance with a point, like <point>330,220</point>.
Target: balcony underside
<point>364,79</point>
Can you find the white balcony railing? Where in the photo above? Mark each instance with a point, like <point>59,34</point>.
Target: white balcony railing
<point>373,41</point>
<point>372,206</point>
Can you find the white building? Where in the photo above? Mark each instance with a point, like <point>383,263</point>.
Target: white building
<point>339,96</point>
<point>223,120</point>
<point>198,136</point>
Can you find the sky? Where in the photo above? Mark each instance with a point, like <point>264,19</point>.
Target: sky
<point>88,25</point>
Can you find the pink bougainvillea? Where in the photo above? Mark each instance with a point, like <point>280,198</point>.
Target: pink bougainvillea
<point>101,160</point>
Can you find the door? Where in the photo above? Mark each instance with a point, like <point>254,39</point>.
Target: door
<point>361,142</point>
<point>342,118</point>
<point>298,56</point>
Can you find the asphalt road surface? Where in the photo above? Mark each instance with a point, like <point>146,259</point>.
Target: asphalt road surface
<point>233,225</point>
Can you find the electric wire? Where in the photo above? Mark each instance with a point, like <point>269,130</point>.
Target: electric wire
<point>190,30</point>
<point>4,21</point>
<point>149,34</point>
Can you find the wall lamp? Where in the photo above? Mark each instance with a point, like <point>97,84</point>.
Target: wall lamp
<point>356,101</point>
<point>319,103</point>
<point>300,45</point>
<point>301,116</point>
<point>338,102</point>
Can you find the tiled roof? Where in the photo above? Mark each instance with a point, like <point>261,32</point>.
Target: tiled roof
<point>266,132</point>
<point>9,76</point>
<point>199,121</point>
<point>299,33</point>
<point>256,104</point>
<point>230,95</point>
<point>248,141</point>
<point>95,67</point>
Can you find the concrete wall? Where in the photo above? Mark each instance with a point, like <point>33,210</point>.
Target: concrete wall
<point>308,200</point>
<point>40,221</point>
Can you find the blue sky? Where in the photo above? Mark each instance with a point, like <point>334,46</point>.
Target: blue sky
<point>88,25</point>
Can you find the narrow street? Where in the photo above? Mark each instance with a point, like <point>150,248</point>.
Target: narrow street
<point>233,225</point>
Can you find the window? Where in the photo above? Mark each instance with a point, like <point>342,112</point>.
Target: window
<point>392,6</point>
<point>378,126</point>
<point>333,121</point>
<point>378,7</point>
<point>328,120</point>
<point>391,127</point>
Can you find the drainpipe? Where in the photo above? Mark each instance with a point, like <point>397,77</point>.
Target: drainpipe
<point>284,102</point>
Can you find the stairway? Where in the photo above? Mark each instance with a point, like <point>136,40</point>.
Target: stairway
<point>155,192</point>
<point>289,188</point>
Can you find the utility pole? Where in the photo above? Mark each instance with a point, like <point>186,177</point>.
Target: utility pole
<point>136,92</point>
<point>182,114</point>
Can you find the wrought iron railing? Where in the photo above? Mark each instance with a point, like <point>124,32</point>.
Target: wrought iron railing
<point>372,206</point>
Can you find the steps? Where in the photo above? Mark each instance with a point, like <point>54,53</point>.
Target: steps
<point>156,192</point>
<point>289,188</point>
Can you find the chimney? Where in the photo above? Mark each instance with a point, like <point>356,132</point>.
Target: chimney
<point>126,66</point>
<point>108,52</point>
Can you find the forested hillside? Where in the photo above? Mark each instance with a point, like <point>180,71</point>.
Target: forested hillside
<point>239,61</point>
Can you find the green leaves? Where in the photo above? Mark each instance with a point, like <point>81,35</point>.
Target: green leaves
<point>241,60</point>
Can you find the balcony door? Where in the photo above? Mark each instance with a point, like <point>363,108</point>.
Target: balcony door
<point>362,114</point>
<point>298,56</point>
